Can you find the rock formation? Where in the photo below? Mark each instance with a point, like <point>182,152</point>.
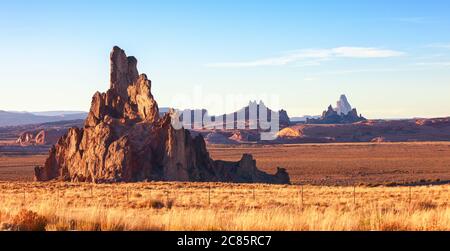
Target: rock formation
<point>289,133</point>
<point>245,171</point>
<point>342,114</point>
<point>379,140</point>
<point>26,138</point>
<point>124,139</point>
<point>217,138</point>
<point>284,119</point>
<point>246,136</point>
<point>40,137</point>
<point>343,107</point>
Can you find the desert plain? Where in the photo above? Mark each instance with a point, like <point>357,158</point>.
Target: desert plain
<point>343,186</point>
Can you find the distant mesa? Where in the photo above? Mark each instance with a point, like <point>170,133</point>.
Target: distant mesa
<point>219,139</point>
<point>231,120</point>
<point>284,119</point>
<point>435,122</point>
<point>302,119</point>
<point>343,113</point>
<point>375,131</point>
<point>125,139</point>
<point>8,118</point>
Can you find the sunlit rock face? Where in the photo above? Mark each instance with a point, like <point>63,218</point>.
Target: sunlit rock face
<point>124,139</point>
<point>343,107</point>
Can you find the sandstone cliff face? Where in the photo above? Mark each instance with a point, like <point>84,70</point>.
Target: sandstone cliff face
<point>124,140</point>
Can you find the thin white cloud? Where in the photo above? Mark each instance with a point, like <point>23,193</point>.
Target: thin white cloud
<point>347,72</point>
<point>363,52</point>
<point>310,57</point>
<point>442,64</point>
<point>439,45</point>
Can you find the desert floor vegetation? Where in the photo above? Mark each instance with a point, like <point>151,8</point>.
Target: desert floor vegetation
<point>219,206</point>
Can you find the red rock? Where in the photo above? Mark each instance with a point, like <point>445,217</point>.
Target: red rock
<point>379,140</point>
<point>40,137</point>
<point>25,138</point>
<point>124,139</point>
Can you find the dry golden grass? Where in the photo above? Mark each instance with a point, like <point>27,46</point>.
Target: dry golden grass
<point>218,206</point>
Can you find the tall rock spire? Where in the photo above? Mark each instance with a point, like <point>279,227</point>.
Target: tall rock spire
<point>124,139</point>
<point>123,71</point>
<point>343,107</point>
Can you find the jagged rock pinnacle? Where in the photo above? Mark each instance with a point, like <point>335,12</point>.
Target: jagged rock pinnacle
<point>343,107</point>
<point>123,71</point>
<point>125,140</point>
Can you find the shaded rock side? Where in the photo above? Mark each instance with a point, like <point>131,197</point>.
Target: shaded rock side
<point>124,139</point>
<point>330,116</point>
<point>245,171</point>
<point>342,114</point>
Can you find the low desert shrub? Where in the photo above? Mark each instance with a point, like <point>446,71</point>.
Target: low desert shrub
<point>27,220</point>
<point>157,204</point>
<point>393,226</point>
<point>426,205</point>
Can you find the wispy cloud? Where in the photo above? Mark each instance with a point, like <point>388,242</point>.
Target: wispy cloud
<point>413,20</point>
<point>308,57</point>
<point>347,72</point>
<point>438,64</point>
<point>439,45</point>
<point>365,52</point>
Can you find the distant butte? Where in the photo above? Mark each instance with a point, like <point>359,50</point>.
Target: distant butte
<point>342,114</point>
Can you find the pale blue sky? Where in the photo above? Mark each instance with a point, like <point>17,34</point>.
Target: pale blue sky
<point>391,58</point>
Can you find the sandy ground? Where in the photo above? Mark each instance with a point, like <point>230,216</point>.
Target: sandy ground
<point>351,163</point>
<point>19,168</point>
<point>316,164</point>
